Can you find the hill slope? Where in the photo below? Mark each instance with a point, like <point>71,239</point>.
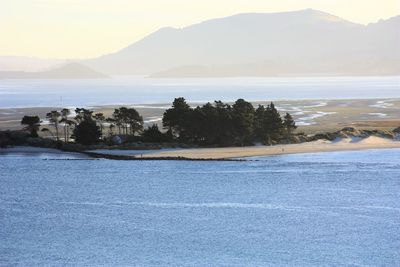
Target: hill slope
<point>68,71</point>
<point>306,42</point>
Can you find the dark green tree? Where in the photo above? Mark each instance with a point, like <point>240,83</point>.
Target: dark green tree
<point>87,132</point>
<point>134,120</point>
<point>224,125</point>
<point>177,119</point>
<point>225,132</point>
<point>122,118</point>
<point>153,134</point>
<point>54,119</point>
<point>32,124</point>
<point>116,120</point>
<point>272,124</point>
<point>243,119</point>
<point>100,119</point>
<point>259,124</point>
<point>289,124</point>
<point>127,119</point>
<point>83,114</point>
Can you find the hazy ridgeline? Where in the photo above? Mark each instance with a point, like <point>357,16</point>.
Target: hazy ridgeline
<point>299,43</point>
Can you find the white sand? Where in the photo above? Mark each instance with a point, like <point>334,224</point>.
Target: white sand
<point>311,147</point>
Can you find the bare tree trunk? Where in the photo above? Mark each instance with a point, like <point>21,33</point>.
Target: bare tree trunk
<point>56,125</point>
<point>65,132</point>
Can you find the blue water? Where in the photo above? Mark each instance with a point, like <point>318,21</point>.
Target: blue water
<point>324,209</point>
<point>138,90</point>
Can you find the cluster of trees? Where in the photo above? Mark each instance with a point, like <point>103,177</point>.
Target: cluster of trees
<point>127,120</point>
<point>86,127</point>
<point>215,123</point>
<point>225,125</point>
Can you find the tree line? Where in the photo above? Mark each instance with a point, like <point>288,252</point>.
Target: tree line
<point>86,127</point>
<point>211,124</point>
<point>225,125</point>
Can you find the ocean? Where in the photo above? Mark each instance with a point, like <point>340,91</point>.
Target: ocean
<point>139,90</point>
<point>321,209</point>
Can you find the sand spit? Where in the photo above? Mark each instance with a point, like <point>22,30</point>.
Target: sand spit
<point>345,144</point>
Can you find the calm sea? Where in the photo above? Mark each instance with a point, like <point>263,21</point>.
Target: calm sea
<point>139,90</point>
<point>324,209</point>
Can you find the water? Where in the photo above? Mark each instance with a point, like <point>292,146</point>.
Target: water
<point>138,90</point>
<point>324,209</point>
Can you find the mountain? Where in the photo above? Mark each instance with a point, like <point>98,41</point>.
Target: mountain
<point>10,63</point>
<point>306,42</point>
<point>67,71</point>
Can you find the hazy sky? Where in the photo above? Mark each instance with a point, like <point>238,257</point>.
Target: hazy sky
<point>89,28</point>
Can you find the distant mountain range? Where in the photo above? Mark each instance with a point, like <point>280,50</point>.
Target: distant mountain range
<point>67,71</point>
<point>306,42</point>
<point>10,63</point>
<point>299,43</point>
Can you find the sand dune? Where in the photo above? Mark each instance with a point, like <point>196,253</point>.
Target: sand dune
<point>311,147</point>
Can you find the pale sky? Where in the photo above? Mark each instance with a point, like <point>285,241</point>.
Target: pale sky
<point>89,28</point>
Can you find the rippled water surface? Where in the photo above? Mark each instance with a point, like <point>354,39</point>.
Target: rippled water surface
<point>325,209</point>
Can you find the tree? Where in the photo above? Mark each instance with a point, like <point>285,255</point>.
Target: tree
<point>225,132</point>
<point>100,119</point>
<point>127,118</point>
<point>153,134</point>
<point>32,124</point>
<point>222,124</point>
<point>83,114</point>
<point>116,120</point>
<point>121,117</point>
<point>272,123</point>
<point>289,124</point>
<point>176,119</point>
<point>134,120</point>
<point>54,118</point>
<point>111,123</point>
<point>211,124</point>
<point>67,123</point>
<point>87,132</point>
<point>243,118</point>
<point>259,124</point>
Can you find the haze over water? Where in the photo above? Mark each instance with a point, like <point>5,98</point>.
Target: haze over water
<point>139,90</point>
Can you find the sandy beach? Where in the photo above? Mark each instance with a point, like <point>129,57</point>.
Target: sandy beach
<point>348,144</point>
<point>311,147</point>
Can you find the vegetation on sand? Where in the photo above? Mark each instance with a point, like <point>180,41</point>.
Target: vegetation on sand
<point>212,124</point>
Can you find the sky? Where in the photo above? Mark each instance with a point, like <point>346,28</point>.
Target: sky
<point>90,28</point>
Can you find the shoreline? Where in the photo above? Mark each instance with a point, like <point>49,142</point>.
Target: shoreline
<point>229,153</point>
<point>259,151</point>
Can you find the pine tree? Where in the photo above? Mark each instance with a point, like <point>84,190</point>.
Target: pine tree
<point>32,124</point>
<point>177,118</point>
<point>272,123</point>
<point>289,124</point>
<point>243,119</point>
